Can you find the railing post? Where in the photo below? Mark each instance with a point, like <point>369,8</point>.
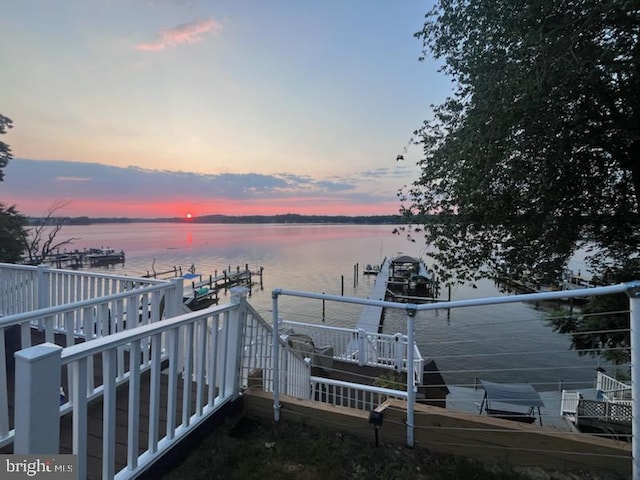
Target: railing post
<point>37,410</point>
<point>42,293</point>
<point>411,390</point>
<point>399,352</point>
<point>174,306</point>
<point>362,354</point>
<point>275,357</point>
<point>634,306</point>
<point>236,328</point>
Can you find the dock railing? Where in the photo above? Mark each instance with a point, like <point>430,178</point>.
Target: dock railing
<point>613,390</point>
<point>360,347</point>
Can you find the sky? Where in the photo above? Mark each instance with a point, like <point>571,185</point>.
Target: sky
<point>159,108</point>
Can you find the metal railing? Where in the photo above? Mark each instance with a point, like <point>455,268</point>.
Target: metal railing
<point>632,289</point>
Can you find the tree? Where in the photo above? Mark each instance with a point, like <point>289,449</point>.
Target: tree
<point>12,223</point>
<point>601,328</point>
<point>13,239</point>
<point>42,239</point>
<point>5,150</point>
<point>537,151</point>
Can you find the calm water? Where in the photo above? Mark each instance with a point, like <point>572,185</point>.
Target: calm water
<point>510,343</point>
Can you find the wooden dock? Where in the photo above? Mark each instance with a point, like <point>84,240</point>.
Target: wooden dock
<point>370,319</point>
<point>92,257</point>
<point>202,291</point>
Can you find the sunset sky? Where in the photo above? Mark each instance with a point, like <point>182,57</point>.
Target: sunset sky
<point>154,108</point>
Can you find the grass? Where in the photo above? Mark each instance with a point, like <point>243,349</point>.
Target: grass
<point>246,449</point>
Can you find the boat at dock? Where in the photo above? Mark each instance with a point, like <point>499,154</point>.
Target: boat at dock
<point>409,279</point>
<point>371,269</point>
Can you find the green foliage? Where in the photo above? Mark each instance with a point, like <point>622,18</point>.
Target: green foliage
<point>602,327</point>
<point>392,380</point>
<point>539,146</point>
<point>12,234</point>
<point>5,150</point>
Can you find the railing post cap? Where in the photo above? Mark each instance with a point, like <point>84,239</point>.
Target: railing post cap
<point>38,352</point>
<point>238,294</point>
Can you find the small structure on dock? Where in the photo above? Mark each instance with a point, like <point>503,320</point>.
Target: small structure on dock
<point>409,280</point>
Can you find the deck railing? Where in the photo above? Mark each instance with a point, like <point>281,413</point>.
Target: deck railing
<point>25,288</point>
<point>197,361</point>
<point>192,360</point>
<point>347,394</point>
<point>257,360</point>
<point>364,348</point>
<point>71,323</point>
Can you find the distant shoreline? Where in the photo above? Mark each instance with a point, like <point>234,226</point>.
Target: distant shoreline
<point>230,219</point>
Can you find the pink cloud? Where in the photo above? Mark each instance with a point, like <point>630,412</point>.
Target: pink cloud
<point>186,33</point>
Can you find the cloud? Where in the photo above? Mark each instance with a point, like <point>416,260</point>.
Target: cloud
<point>192,32</point>
<point>73,179</point>
<point>92,187</point>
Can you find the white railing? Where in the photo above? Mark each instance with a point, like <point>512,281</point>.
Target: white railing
<point>18,289</point>
<point>68,324</point>
<point>352,395</point>
<point>612,390</point>
<point>25,288</point>
<point>195,381</point>
<point>257,360</point>
<point>569,403</point>
<point>363,348</point>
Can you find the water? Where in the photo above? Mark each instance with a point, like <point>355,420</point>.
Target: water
<point>510,343</point>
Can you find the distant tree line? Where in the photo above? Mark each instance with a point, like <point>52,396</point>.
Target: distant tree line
<point>232,219</point>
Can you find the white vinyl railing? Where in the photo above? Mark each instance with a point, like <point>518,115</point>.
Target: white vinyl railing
<point>569,403</point>
<point>68,324</point>
<point>352,395</point>
<point>363,348</point>
<point>613,390</point>
<point>192,360</point>
<point>25,288</point>
<point>257,360</point>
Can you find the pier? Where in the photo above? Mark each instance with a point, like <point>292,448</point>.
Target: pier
<point>370,319</point>
<point>201,291</point>
<point>92,257</point>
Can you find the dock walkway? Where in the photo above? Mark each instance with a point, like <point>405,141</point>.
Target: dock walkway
<point>371,316</point>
